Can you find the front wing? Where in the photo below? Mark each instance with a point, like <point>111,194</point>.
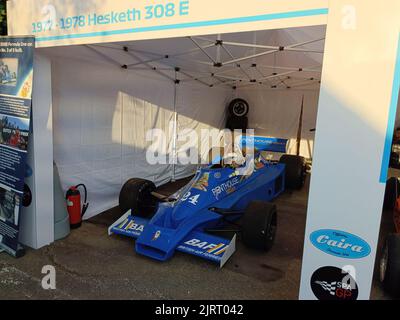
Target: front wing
<point>197,243</point>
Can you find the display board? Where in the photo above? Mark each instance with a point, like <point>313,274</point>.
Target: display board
<point>16,76</point>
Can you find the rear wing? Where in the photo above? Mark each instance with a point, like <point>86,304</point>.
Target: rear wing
<point>265,143</point>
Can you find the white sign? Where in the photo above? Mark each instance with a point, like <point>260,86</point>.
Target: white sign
<point>357,105</point>
<point>61,22</point>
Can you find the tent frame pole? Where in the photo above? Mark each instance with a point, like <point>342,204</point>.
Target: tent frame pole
<point>203,50</point>
<point>104,56</point>
<point>148,65</point>
<point>221,77</point>
<point>175,131</point>
<point>259,46</point>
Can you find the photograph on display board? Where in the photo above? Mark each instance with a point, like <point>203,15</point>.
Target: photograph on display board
<point>9,205</point>
<point>14,132</point>
<point>9,71</point>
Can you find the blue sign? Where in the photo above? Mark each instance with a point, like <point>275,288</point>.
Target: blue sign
<point>265,143</point>
<point>340,244</point>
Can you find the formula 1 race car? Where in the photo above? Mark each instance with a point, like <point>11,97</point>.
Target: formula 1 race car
<point>218,196</point>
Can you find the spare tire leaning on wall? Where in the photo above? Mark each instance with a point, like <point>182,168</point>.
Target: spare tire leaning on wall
<point>237,115</point>
<point>233,123</point>
<point>238,108</point>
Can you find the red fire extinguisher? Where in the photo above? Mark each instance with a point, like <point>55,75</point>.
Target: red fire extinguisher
<point>74,205</point>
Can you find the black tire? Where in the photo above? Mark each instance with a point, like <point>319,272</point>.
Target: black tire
<point>259,225</point>
<point>390,193</point>
<point>238,108</point>
<point>234,122</point>
<point>394,160</point>
<point>136,195</point>
<point>390,265</point>
<point>295,171</point>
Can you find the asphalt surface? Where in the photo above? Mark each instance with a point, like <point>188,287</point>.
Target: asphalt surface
<point>91,265</point>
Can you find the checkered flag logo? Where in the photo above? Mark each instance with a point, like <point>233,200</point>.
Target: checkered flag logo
<point>328,286</point>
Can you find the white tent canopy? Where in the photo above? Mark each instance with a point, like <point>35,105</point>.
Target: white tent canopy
<point>107,96</point>
<point>273,58</point>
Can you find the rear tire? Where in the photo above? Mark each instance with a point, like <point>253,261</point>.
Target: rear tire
<point>259,225</point>
<point>295,171</point>
<point>136,195</point>
<point>390,265</point>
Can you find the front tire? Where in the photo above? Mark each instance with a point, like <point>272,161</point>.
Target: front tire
<point>295,171</point>
<point>136,195</point>
<point>259,225</point>
<point>390,265</point>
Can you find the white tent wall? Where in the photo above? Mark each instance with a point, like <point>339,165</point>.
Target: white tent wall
<point>101,116</point>
<point>276,113</point>
<point>199,108</point>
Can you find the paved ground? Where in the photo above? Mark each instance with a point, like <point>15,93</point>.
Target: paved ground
<point>91,265</point>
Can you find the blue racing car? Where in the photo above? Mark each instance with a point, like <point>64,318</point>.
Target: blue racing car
<point>221,194</point>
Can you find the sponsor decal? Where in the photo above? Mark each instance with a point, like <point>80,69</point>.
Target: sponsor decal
<point>226,186</point>
<point>340,244</point>
<point>332,283</point>
<point>202,183</point>
<point>211,248</point>
<point>266,143</point>
<point>156,235</point>
<point>130,225</point>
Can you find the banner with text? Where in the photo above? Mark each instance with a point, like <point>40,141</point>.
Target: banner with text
<point>68,22</point>
<point>16,75</point>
